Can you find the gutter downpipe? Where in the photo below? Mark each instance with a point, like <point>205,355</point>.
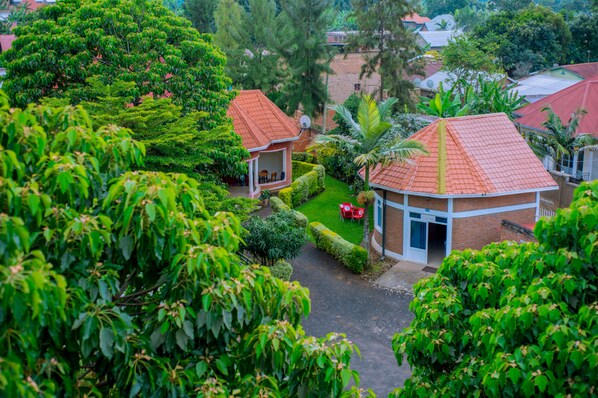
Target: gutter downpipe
<point>384,225</point>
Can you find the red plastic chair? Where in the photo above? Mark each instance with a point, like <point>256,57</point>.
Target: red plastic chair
<point>346,211</point>
<point>358,213</point>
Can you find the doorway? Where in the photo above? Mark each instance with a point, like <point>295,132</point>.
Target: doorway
<point>436,243</point>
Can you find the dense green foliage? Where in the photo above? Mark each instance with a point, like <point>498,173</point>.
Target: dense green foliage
<point>250,39</point>
<point>282,270</point>
<point>526,40</point>
<point>304,157</point>
<point>276,237</point>
<point>352,256</point>
<point>371,140</point>
<point>465,60</point>
<point>119,282</point>
<point>298,218</point>
<point>396,51</point>
<point>201,14</point>
<point>306,54</point>
<point>485,96</point>
<point>438,7</point>
<point>511,320</point>
<point>132,41</point>
<point>584,40</point>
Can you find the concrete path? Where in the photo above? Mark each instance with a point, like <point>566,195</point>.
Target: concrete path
<point>343,302</point>
<point>403,275</point>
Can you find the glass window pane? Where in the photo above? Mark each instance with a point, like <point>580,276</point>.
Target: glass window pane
<point>441,219</point>
<point>418,235</point>
<point>415,215</point>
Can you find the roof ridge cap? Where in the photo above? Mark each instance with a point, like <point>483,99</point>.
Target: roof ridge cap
<point>480,172</point>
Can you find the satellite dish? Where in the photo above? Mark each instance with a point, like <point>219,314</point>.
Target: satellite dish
<point>417,81</point>
<point>305,122</point>
<point>430,83</point>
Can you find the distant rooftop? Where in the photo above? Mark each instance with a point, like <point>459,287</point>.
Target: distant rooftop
<point>438,38</point>
<point>537,87</point>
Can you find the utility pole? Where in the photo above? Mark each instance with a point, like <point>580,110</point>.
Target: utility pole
<point>325,107</point>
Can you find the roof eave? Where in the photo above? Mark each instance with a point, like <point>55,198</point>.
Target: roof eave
<point>481,195</point>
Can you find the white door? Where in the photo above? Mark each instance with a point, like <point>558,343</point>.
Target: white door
<point>418,242</point>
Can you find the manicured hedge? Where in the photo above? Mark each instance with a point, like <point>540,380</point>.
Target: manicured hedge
<point>278,205</point>
<point>308,180</point>
<point>282,270</point>
<point>351,256</point>
<point>304,157</point>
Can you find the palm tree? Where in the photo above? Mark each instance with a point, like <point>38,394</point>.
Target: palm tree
<point>560,140</point>
<point>372,141</point>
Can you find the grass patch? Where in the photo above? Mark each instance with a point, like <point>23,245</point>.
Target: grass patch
<point>324,208</point>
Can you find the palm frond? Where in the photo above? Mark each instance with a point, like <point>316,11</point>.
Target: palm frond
<point>386,106</point>
<point>334,143</point>
<point>368,115</point>
<point>401,150</point>
<point>345,114</point>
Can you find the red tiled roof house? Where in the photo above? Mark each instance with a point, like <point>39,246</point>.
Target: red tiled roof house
<point>479,171</point>
<point>583,95</point>
<point>268,134</point>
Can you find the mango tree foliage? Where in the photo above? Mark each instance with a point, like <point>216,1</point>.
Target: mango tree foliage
<point>511,320</point>
<point>118,282</point>
<point>138,41</point>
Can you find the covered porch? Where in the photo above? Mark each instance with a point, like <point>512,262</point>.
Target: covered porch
<point>266,170</point>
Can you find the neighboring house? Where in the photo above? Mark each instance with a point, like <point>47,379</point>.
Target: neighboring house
<point>268,134</point>
<point>435,40</point>
<point>441,22</point>
<point>539,86</point>
<point>582,95</point>
<point>550,81</point>
<point>479,172</point>
<point>415,21</point>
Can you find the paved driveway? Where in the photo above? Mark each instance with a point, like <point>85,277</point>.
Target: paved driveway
<point>342,302</point>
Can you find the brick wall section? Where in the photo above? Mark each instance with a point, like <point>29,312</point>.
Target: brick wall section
<point>466,204</point>
<point>394,230</point>
<point>515,232</point>
<point>305,139</point>
<point>428,203</point>
<point>393,197</point>
<point>477,232</point>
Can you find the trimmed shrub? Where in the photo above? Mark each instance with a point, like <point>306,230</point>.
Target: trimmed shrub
<point>278,205</point>
<point>321,171</point>
<point>304,157</point>
<point>351,256</point>
<point>286,195</point>
<point>308,180</point>
<point>282,270</point>
<point>299,219</point>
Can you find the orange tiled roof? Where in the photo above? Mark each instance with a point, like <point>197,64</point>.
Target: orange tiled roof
<point>415,17</point>
<point>485,154</point>
<point>259,122</point>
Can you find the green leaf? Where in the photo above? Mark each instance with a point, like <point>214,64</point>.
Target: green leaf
<point>150,209</point>
<point>201,368</point>
<point>346,376</point>
<point>221,365</point>
<point>107,342</point>
<point>541,382</point>
<point>126,246</point>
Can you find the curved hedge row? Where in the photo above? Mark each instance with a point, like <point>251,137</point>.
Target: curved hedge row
<point>304,157</point>
<point>310,182</point>
<point>351,256</point>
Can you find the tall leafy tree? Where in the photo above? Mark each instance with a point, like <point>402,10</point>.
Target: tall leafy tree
<point>201,14</point>
<point>526,40</point>
<point>511,320</point>
<point>467,18</point>
<point>394,48</point>
<point>306,53</point>
<point>438,7</point>
<point>250,39</point>
<point>119,282</point>
<point>584,40</point>
<point>465,60</point>
<point>133,41</point>
<point>371,141</point>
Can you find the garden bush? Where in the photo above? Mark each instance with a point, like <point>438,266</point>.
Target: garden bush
<point>276,237</point>
<point>286,195</point>
<point>282,270</point>
<point>352,256</point>
<point>299,219</point>
<point>304,157</point>
<point>278,204</point>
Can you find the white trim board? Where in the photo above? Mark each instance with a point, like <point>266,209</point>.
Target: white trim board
<point>482,195</point>
<point>461,214</point>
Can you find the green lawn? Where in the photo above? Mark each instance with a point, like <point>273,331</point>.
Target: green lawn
<point>324,208</point>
